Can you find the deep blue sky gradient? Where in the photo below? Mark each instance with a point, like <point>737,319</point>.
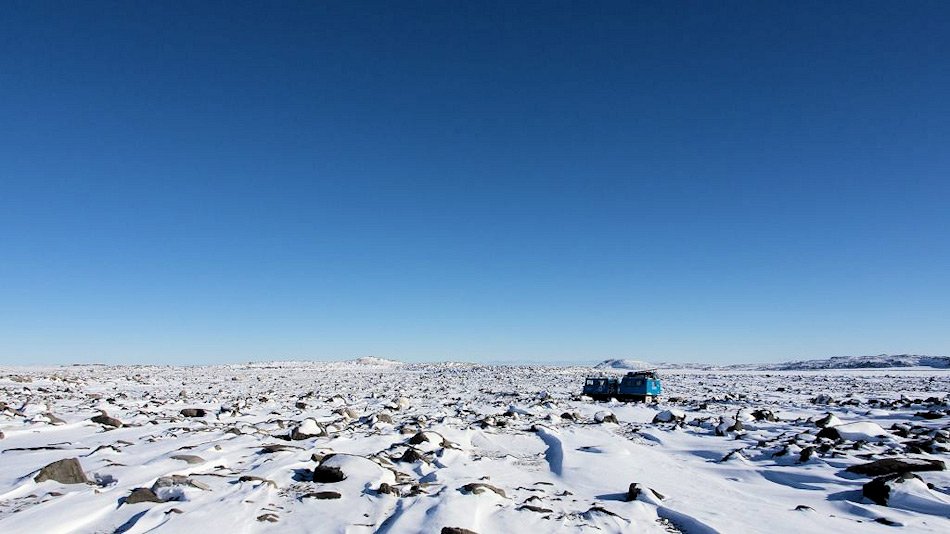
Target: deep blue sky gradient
<point>700,181</point>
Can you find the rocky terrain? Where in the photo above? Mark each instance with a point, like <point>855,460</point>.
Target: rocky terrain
<point>378,446</point>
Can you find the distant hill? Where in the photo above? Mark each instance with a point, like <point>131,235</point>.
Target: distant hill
<point>374,361</point>
<point>624,364</point>
<point>880,361</point>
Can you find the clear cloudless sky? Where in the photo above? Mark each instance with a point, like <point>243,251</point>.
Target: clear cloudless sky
<point>200,182</point>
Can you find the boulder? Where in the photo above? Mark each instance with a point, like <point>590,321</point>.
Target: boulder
<point>477,488</point>
<point>604,416</point>
<point>387,489</point>
<point>309,428</point>
<point>327,474</point>
<point>635,491</point>
<point>879,489</point>
<point>189,458</point>
<point>889,466</point>
<point>669,416</point>
<point>68,471</point>
<point>828,420</point>
<point>322,495</point>
<point>105,420</point>
<point>193,412</point>
<point>142,495</point>
<point>764,415</point>
<point>411,456</point>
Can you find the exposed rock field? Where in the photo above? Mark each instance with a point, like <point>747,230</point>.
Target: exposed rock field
<point>378,446</point>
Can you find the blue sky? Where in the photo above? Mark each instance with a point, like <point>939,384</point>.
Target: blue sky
<point>721,182</point>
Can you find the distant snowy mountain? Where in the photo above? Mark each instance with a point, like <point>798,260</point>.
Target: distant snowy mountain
<point>865,362</point>
<point>624,364</point>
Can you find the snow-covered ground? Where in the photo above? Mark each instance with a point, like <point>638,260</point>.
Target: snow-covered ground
<point>377,446</point>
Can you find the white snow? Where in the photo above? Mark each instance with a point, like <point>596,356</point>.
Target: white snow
<point>469,446</point>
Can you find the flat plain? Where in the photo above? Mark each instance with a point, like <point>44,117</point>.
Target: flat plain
<point>376,446</point>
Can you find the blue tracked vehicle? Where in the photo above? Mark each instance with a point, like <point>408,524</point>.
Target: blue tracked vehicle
<point>639,386</point>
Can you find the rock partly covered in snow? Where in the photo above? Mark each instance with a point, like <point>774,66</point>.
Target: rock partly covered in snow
<point>67,471</point>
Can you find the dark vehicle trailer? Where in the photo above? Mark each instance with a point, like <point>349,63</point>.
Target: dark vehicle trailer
<point>635,386</point>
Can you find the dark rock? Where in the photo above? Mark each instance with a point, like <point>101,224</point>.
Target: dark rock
<point>327,475</point>
<point>764,415</point>
<point>537,509</point>
<point>105,420</point>
<point>457,530</point>
<point>271,518</point>
<point>193,412</point>
<point>803,508</point>
<point>568,416</point>
<point>411,456</point>
<point>68,471</point>
<point>418,438</point>
<point>888,466</point>
<point>806,454</point>
<point>142,495</point>
<point>886,521</point>
<point>829,432</point>
<point>823,422</point>
<point>929,415</point>
<point>277,447</point>
<point>879,489</point>
<point>322,495</point>
<point>387,489</point>
<point>636,490</point>
<point>476,488</point>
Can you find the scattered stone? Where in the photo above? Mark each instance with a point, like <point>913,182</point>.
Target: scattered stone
<point>142,495</point>
<point>669,416</point>
<point>888,466</point>
<point>68,471</point>
<point>636,489</point>
<point>104,420</point>
<point>327,475</point>
<point>477,488</point>
<point>309,428</point>
<point>53,420</point>
<point>252,478</point>
<point>322,495</point>
<point>387,489</point>
<point>806,454</point>
<point>604,416</point>
<point>411,456</point>
<point>189,458</point>
<point>271,518</point>
<point>537,509</point>
<point>879,489</point>
<point>277,447</point>
<point>828,420</point>
<point>177,480</point>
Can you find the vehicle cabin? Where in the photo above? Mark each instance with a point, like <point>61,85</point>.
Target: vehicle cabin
<point>634,386</point>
